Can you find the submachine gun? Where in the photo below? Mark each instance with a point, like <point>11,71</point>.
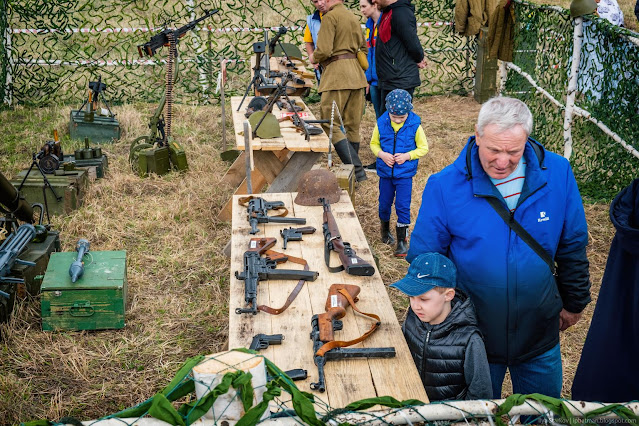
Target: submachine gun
<point>157,152</point>
<point>257,212</point>
<point>323,326</point>
<point>351,263</point>
<point>258,268</point>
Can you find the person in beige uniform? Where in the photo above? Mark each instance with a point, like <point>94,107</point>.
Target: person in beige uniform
<point>343,79</point>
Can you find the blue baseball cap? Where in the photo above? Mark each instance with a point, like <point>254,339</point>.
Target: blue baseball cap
<point>427,271</point>
<point>398,102</point>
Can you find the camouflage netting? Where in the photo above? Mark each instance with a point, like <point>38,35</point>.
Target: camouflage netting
<point>177,404</point>
<point>59,45</point>
<point>608,88</point>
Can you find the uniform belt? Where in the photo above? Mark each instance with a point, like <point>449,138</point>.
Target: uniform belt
<point>338,57</point>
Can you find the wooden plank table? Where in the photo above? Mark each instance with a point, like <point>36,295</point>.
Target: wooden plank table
<point>279,162</point>
<point>346,380</point>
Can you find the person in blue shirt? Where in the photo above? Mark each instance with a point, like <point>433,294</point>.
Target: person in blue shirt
<point>398,142</point>
<point>370,11</point>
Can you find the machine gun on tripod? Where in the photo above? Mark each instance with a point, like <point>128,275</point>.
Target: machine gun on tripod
<point>157,152</point>
<point>92,102</point>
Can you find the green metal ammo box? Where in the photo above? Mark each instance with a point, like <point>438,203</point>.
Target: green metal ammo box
<point>70,185</point>
<point>96,167</point>
<point>178,156</point>
<point>154,160</point>
<point>96,301</point>
<point>38,253</point>
<point>100,130</point>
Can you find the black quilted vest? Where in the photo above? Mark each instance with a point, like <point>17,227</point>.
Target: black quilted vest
<point>439,350</point>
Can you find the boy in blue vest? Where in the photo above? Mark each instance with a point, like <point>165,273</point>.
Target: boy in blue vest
<point>398,141</point>
<point>442,333</point>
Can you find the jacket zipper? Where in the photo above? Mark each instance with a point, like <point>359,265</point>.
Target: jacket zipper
<point>425,348</point>
<point>394,147</point>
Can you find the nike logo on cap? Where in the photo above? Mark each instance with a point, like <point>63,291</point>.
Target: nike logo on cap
<point>422,276</point>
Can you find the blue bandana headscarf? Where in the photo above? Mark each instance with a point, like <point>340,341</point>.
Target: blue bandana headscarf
<point>398,102</point>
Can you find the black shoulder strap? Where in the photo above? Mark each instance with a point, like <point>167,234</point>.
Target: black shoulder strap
<point>523,234</point>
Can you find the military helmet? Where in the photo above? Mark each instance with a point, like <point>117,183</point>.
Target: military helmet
<point>582,7</point>
<point>315,184</point>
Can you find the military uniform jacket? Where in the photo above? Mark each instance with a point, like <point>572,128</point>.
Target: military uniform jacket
<point>340,34</point>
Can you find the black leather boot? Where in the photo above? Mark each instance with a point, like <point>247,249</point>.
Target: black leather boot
<point>356,147</point>
<point>348,155</point>
<point>387,237</point>
<point>402,245</point>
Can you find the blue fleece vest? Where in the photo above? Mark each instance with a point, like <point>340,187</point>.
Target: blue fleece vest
<point>402,141</point>
<point>314,21</point>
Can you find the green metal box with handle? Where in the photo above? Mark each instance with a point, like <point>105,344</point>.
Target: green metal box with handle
<point>96,301</point>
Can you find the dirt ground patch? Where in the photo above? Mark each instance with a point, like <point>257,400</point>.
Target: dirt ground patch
<point>178,279</point>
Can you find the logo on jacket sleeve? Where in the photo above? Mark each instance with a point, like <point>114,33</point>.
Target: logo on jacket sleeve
<point>542,217</point>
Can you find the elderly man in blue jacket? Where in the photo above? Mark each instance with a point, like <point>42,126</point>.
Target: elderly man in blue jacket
<point>520,305</point>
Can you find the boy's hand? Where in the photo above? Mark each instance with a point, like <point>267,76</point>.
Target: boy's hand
<point>402,158</point>
<point>387,158</point>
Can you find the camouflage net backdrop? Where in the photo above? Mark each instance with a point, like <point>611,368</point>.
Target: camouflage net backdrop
<point>608,88</point>
<point>282,400</point>
<point>57,46</point>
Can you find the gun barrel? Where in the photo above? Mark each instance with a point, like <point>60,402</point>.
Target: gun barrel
<point>277,219</point>
<point>13,246</point>
<point>183,29</point>
<point>10,198</point>
<point>343,353</point>
<point>292,274</point>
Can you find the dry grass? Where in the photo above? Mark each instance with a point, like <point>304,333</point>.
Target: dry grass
<point>177,305</point>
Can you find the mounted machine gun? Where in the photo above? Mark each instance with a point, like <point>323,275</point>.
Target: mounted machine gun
<point>158,152</point>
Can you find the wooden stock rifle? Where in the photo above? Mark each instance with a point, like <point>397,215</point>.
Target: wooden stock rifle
<point>351,263</point>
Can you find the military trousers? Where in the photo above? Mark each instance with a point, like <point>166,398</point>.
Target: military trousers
<point>350,103</point>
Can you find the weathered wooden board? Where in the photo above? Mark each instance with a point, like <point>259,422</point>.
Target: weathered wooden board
<point>291,138</point>
<point>347,380</point>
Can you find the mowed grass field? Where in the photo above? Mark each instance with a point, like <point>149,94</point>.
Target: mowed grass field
<point>177,305</point>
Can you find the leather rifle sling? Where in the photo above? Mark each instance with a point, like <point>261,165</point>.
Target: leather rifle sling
<point>342,344</point>
<point>243,201</point>
<point>295,291</point>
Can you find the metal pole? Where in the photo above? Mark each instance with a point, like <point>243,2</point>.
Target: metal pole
<point>222,102</point>
<point>248,154</point>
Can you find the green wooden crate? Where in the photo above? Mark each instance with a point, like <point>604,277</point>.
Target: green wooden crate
<point>96,301</point>
<point>71,186</point>
<point>100,130</point>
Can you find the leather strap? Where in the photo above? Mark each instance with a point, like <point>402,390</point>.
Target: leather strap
<point>243,201</point>
<point>337,58</point>
<point>291,297</point>
<point>341,343</point>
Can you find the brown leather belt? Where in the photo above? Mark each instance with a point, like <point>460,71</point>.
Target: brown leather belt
<point>338,57</point>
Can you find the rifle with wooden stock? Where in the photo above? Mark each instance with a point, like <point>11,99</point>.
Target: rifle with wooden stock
<point>351,263</point>
<point>323,327</point>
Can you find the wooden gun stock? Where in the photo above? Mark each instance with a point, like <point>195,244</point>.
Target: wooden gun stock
<point>336,305</point>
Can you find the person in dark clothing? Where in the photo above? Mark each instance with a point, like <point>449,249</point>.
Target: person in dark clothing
<point>398,53</point>
<point>612,337</point>
<point>442,333</point>
<point>637,10</point>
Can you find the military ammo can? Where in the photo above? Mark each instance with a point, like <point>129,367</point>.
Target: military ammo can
<point>96,167</point>
<point>346,179</point>
<point>100,129</point>
<point>154,160</point>
<point>96,301</point>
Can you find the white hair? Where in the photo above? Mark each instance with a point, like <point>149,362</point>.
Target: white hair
<point>506,113</point>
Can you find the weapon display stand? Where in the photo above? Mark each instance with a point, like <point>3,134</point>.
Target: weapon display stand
<point>279,162</point>
<point>346,380</point>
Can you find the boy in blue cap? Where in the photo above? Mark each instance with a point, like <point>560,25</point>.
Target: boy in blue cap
<point>442,333</point>
<point>398,141</point>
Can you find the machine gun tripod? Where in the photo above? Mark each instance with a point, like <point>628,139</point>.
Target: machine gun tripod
<point>96,92</point>
<point>160,135</point>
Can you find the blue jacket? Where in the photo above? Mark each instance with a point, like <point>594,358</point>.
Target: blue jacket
<point>516,297</point>
<point>314,23</point>
<point>402,141</point>
<point>371,73</point>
